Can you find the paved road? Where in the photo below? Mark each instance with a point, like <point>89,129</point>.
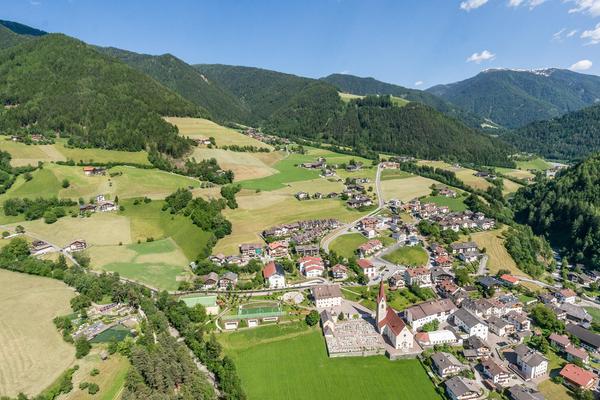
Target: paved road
<point>482,270</point>
<point>342,230</point>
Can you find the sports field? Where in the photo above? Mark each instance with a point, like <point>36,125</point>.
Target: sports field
<point>204,128</point>
<point>493,242</point>
<point>346,245</point>
<point>406,189</point>
<point>294,359</point>
<point>32,351</point>
<point>411,256</point>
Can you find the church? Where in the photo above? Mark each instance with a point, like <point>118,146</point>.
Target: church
<point>391,326</point>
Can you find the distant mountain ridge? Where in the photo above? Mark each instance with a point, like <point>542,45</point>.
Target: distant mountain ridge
<point>514,98</point>
<point>21,29</point>
<point>366,86</point>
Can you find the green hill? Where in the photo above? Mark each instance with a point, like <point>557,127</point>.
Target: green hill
<point>515,98</point>
<point>572,136</point>
<point>58,84</point>
<point>370,86</point>
<point>186,81</point>
<point>565,209</point>
<point>21,29</point>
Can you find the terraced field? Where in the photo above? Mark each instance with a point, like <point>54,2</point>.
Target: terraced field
<point>33,353</point>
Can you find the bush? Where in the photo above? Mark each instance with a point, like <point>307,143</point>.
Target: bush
<point>312,318</point>
<point>65,183</point>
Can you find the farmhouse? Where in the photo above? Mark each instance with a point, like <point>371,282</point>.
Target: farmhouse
<point>459,388</point>
<point>531,363</point>
<point>106,206</point>
<point>274,275</point>
<point>90,171</point>
<point>420,277</point>
<point>578,378</point>
<point>469,323</point>
<point>420,314</point>
<point>339,271</point>
<point>39,247</point>
<point>327,296</point>
<point>391,326</point>
<point>446,364</point>
<point>87,208</point>
<point>311,267</point>
<point>368,268</point>
<point>76,245</point>
<point>278,249</point>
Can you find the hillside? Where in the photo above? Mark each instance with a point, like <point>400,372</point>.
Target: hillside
<point>370,86</point>
<point>572,136</point>
<point>59,84</point>
<point>515,98</point>
<point>261,91</point>
<point>566,210</point>
<point>375,124</point>
<point>21,29</point>
<point>185,80</point>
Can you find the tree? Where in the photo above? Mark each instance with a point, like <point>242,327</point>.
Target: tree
<point>82,347</point>
<point>20,229</point>
<point>312,318</point>
<point>65,183</point>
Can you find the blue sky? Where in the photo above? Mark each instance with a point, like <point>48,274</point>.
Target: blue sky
<point>415,43</point>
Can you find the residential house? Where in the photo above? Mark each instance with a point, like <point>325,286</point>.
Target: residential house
<point>396,281</point>
<point>519,320</point>
<point>89,171</point>
<point>447,289</point>
<point>566,296</point>
<point>459,388</point>
<point>587,338</point>
<point>327,296</point>
<point>419,276</point>
<point>311,267</point>
<point>76,245</point>
<point>251,250</point>
<point>87,208</point>
<point>531,363</point>
<point>446,364</point>
<point>469,323</point>
<point>573,353</point>
<point>278,249</point>
<point>447,192</point>
<point>579,378</point>
<point>39,247</point>
<point>548,299</point>
<point>422,313</point>
<point>368,268</point>
<point>463,247</point>
<point>307,250</point>
<point>560,341</point>
<point>228,280</point>
<point>274,275</point>
<point>509,280</point>
<point>339,271</point>
<point>390,325</point>
<point>107,206</point>
<point>470,256</point>
<point>496,372</point>
<point>576,314</point>
<point>359,201</point>
<point>209,281</point>
<point>500,326</point>
<point>369,248</point>
<point>439,274</point>
<point>521,392</point>
<point>302,196</point>
<point>480,348</point>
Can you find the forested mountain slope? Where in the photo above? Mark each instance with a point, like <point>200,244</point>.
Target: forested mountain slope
<point>566,210</point>
<point>185,80</point>
<point>370,86</point>
<point>58,84</point>
<point>572,136</point>
<point>514,98</point>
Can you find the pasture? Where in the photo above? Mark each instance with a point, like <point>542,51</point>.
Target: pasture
<point>346,97</point>
<point>406,189</point>
<point>204,128</point>
<point>33,353</point>
<point>464,174</point>
<point>454,203</point>
<point>538,164</point>
<point>493,242</point>
<point>516,173</point>
<point>245,165</point>
<point>346,245</point>
<point>110,379</point>
<point>294,347</point>
<point>412,256</point>
<point>389,174</point>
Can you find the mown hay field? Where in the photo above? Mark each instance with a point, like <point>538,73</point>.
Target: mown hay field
<point>406,189</point>
<point>32,352</point>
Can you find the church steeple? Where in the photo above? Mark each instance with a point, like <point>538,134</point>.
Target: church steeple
<point>381,305</point>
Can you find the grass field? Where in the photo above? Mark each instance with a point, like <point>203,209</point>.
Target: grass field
<point>455,204</point>
<point>535,164</point>
<point>493,242</point>
<point>160,264</point>
<point>464,174</point>
<point>389,174</point>
<point>410,255</point>
<point>33,353</point>
<point>406,189</point>
<point>516,173</point>
<point>244,165</point>
<point>304,370</point>
<point>23,154</point>
<point>554,391</point>
<point>110,380</point>
<point>346,97</point>
<point>346,245</point>
<point>204,128</point>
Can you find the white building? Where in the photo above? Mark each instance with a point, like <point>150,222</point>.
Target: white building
<point>391,326</point>
<point>469,323</point>
<point>327,296</point>
<point>368,268</point>
<point>420,314</point>
<point>531,363</point>
<point>274,275</point>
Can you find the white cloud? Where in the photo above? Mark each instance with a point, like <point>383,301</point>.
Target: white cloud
<point>345,72</point>
<point>558,35</point>
<point>593,35</point>
<point>478,58</point>
<point>572,33</point>
<point>530,3</point>
<point>581,65</point>
<point>35,3</point>
<point>591,7</point>
<point>469,5</point>
<point>418,83</point>
<point>515,3</point>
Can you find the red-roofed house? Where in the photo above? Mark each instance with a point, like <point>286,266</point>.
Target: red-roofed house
<point>420,276</point>
<point>368,268</point>
<point>566,296</point>
<point>390,325</point>
<point>579,378</point>
<point>274,274</point>
<point>371,247</point>
<point>509,280</point>
<point>311,267</point>
<point>339,271</point>
<point>278,249</point>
